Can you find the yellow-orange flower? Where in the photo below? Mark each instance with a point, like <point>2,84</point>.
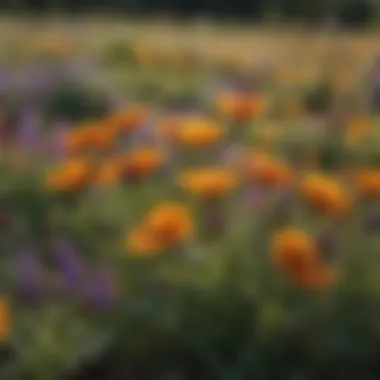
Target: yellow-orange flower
<point>76,140</point>
<point>128,119</point>
<point>294,250</point>
<point>242,107</point>
<point>142,162</point>
<point>70,176</point>
<point>141,243</point>
<point>296,253</point>
<point>208,182</point>
<point>325,193</point>
<point>169,223</point>
<point>168,126</point>
<point>197,132</point>
<point>5,318</point>
<point>268,170</point>
<point>109,171</point>
<point>368,181</point>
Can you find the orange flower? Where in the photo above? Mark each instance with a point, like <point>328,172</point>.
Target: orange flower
<point>168,126</point>
<point>76,140</point>
<point>101,137</point>
<point>294,250</point>
<point>70,176</point>
<point>169,223</point>
<point>325,194</point>
<point>142,162</point>
<point>128,119</point>
<point>208,182</point>
<point>318,278</point>
<point>242,107</point>
<point>141,243</point>
<point>5,318</point>
<point>296,253</point>
<point>267,169</point>
<point>108,172</point>
<point>198,133</point>
<point>368,181</point>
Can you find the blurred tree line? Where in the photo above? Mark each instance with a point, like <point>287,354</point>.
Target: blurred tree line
<point>348,12</point>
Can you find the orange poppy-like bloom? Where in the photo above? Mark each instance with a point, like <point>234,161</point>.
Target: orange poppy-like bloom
<point>141,243</point>
<point>128,119</point>
<point>197,132</point>
<point>208,182</point>
<point>325,193</point>
<point>169,223</point>
<point>296,253</point>
<point>100,136</point>
<point>90,135</point>
<point>368,182</point>
<point>142,162</point>
<point>168,126</point>
<point>108,172</point>
<point>242,107</point>
<point>76,140</point>
<point>70,176</point>
<point>267,170</point>
<point>5,318</point>
<point>166,225</point>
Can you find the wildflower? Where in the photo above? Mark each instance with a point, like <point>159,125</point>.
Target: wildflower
<point>296,253</point>
<point>169,223</point>
<point>241,107</point>
<point>142,162</point>
<point>325,193</point>
<point>5,318</point>
<point>368,182</point>
<point>140,243</point>
<point>168,126</point>
<point>294,250</point>
<point>198,133</point>
<point>27,130</point>
<point>108,172</point>
<point>208,182</point>
<point>28,274</point>
<point>69,176</point>
<point>102,288</point>
<point>71,269</point>
<point>128,119</point>
<point>267,170</point>
<point>75,140</point>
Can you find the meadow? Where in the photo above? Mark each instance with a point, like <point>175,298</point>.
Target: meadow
<point>188,202</point>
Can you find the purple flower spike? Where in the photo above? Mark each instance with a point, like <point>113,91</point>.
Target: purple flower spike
<point>27,131</point>
<point>102,289</point>
<point>71,269</point>
<point>28,274</point>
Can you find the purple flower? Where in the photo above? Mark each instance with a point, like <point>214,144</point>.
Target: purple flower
<point>71,269</point>
<point>27,130</point>
<point>27,271</point>
<point>102,290</point>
